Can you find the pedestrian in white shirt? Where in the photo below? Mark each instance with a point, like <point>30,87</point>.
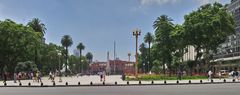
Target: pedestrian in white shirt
<point>209,75</point>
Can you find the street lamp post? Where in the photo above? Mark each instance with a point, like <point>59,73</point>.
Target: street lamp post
<point>136,33</point>
<point>81,66</point>
<point>129,55</point>
<point>59,66</point>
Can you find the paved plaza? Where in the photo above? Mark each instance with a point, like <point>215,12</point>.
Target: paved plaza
<point>85,80</point>
<point>206,89</point>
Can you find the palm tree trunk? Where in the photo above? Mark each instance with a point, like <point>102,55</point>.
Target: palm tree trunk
<point>80,68</point>
<point>149,59</point>
<point>66,61</point>
<point>35,59</point>
<point>164,68</point>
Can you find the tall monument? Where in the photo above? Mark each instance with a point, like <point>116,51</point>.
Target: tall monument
<point>108,69</point>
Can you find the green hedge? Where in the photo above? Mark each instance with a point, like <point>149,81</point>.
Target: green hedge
<point>158,77</point>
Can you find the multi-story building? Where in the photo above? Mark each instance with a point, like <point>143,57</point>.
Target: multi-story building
<point>190,54</point>
<point>96,67</point>
<point>116,67</point>
<point>228,55</point>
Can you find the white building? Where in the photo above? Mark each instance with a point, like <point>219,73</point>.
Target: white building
<point>190,54</point>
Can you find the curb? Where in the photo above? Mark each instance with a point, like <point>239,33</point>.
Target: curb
<point>100,84</point>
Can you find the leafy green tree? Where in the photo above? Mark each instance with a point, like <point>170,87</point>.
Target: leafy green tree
<point>164,44</point>
<point>157,68</point>
<point>74,64</point>
<point>149,39</point>
<point>179,44</point>
<point>17,44</point>
<point>208,27</point>
<point>143,57</point>
<point>40,28</point>
<point>66,42</point>
<point>50,58</point>
<point>26,67</point>
<point>191,64</point>
<point>81,47</point>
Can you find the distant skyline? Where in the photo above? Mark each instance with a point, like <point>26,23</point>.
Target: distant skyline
<point>98,23</point>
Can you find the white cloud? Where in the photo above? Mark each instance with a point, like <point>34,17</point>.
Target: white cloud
<point>158,2</point>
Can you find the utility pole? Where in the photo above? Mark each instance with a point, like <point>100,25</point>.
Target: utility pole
<point>136,33</point>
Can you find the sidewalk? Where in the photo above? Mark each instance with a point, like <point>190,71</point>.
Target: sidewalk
<point>85,80</point>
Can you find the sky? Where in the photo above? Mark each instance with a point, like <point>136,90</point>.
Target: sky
<point>98,23</point>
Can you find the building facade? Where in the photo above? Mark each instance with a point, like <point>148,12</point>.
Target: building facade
<point>190,54</point>
<point>228,54</point>
<point>96,67</point>
<point>116,67</point>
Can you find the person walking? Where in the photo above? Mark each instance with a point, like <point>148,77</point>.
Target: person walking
<point>40,77</point>
<point>19,77</point>
<point>5,77</point>
<point>35,77</point>
<point>209,75</point>
<point>219,75</point>
<point>179,75</point>
<point>32,76</point>
<point>50,75</point>
<point>101,76</point>
<point>236,75</point>
<point>15,77</point>
<point>104,76</point>
<point>53,77</point>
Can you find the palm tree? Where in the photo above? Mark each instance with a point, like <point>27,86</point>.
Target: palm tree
<point>66,42</point>
<point>162,20</point>
<point>89,56</point>
<point>81,47</point>
<point>149,39</point>
<point>37,25</point>
<point>163,26</point>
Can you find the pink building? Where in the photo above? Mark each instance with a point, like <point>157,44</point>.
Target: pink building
<point>116,67</point>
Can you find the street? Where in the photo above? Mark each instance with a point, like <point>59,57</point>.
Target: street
<point>200,89</point>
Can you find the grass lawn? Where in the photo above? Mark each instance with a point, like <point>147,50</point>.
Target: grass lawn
<point>162,77</point>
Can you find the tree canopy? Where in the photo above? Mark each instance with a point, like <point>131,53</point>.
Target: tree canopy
<point>208,27</point>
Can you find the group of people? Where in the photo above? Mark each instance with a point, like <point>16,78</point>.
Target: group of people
<point>35,76</point>
<point>234,74</point>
